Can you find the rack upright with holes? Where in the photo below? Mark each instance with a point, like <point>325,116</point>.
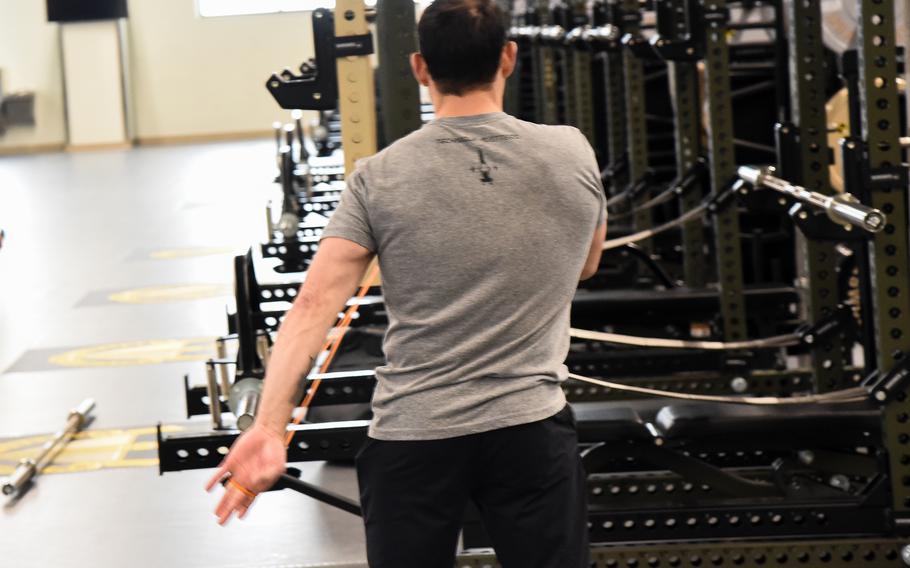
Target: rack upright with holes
<point>803,157</point>
<point>676,43</point>
<point>885,176</point>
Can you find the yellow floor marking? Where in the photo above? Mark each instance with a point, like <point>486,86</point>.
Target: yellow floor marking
<point>174,293</point>
<point>14,444</point>
<point>189,252</point>
<point>88,451</point>
<point>125,449</point>
<point>144,446</point>
<point>144,352</point>
<point>77,449</point>
<point>89,466</point>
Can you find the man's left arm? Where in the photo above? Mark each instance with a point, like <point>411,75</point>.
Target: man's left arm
<point>258,457</point>
<point>331,280</point>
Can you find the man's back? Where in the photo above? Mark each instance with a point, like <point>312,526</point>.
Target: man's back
<point>482,225</point>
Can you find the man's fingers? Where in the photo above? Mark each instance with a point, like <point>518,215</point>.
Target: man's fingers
<point>224,505</point>
<point>229,504</point>
<point>233,502</point>
<point>219,475</point>
<point>223,519</point>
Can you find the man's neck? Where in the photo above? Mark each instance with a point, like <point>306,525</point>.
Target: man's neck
<point>474,102</point>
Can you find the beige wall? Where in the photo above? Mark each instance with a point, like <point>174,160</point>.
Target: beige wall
<point>189,76</point>
<point>194,76</point>
<point>30,61</point>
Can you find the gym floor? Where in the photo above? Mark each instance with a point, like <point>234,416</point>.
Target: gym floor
<point>114,278</point>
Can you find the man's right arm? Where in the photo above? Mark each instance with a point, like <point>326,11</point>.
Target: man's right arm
<point>593,259</point>
<point>592,181</point>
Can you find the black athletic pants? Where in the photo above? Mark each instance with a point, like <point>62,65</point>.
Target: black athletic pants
<point>527,481</point>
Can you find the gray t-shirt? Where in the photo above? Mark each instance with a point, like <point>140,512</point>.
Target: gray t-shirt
<point>482,225</point>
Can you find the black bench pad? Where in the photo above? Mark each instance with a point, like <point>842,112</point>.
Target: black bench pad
<point>609,423</point>
<point>824,424</point>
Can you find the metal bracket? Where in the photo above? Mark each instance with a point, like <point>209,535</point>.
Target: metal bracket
<point>350,46</point>
<point>680,37</point>
<point>639,46</point>
<point>886,388</point>
<point>719,201</point>
<point>840,321</point>
<point>316,87</point>
<point>856,168</point>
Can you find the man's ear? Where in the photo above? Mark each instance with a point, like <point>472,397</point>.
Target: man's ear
<point>507,60</point>
<point>419,69</point>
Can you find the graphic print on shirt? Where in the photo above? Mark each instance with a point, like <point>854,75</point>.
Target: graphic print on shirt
<point>483,168</point>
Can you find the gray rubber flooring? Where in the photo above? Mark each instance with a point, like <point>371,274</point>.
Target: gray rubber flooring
<point>79,228</point>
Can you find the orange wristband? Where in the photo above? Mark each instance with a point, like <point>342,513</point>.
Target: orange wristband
<point>241,488</point>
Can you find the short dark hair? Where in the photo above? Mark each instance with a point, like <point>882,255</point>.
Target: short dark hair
<point>462,41</point>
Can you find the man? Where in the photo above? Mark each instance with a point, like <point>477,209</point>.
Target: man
<point>483,225</point>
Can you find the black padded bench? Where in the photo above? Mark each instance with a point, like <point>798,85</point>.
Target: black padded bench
<point>610,423</point>
<point>592,307</point>
<point>734,425</point>
<point>769,426</point>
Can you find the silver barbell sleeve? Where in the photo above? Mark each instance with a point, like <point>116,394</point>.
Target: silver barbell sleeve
<point>602,34</point>
<point>244,400</point>
<point>211,389</point>
<point>524,32</point>
<point>278,129</point>
<point>843,209</point>
<point>552,34</point>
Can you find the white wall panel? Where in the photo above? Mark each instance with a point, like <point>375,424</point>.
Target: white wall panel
<point>94,83</point>
<point>30,61</point>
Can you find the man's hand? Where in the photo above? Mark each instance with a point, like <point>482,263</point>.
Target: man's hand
<point>256,461</point>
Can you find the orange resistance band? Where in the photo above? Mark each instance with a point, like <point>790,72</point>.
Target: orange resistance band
<point>332,346</point>
<point>241,488</point>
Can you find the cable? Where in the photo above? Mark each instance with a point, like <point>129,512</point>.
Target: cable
<point>628,193</point>
<point>853,394</point>
<point>677,187</point>
<point>663,197</point>
<point>648,233</point>
<point>618,198</point>
<point>637,341</point>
